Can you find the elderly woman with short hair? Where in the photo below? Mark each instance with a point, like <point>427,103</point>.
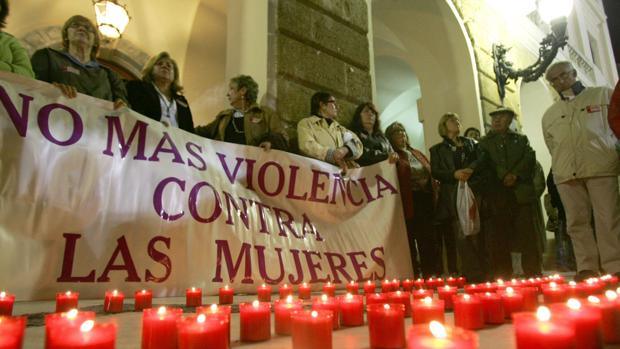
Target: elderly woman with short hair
<point>75,69</point>
<point>158,94</point>
<point>417,190</point>
<point>457,159</point>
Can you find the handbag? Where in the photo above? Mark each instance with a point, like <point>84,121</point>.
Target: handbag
<point>467,210</point>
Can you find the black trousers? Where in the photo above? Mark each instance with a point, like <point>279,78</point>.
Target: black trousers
<point>421,233</point>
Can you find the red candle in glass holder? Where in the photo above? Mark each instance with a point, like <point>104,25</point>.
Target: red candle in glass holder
<point>500,284</point>
<point>513,302</point>
<point>113,302</point>
<point>72,318</point>
<point>400,297</point>
<point>351,310</point>
<point>159,327</point>
<point>574,290</point>
<point>6,304</point>
<point>586,322</point>
<point>453,282</point>
<point>386,325</point>
<point>255,321</point>
<point>226,294</point>
<point>12,331</point>
<point>66,301</point>
<point>395,285</point>
<point>592,287</point>
<point>468,312</point>
<point>264,293</point>
<point>369,287</point>
<point>285,291</point>
<point>193,297</point>
<point>329,289</point>
<point>445,294</point>
<point>352,287</point>
<point>89,335</point>
<point>422,293</point>
<point>488,287</point>
<point>311,329</point>
<point>407,285</point>
<point>283,310</point>
<point>536,330</point>
<point>492,307</point>
<point>328,303</point>
<point>461,280</point>
<point>427,310</point>
<point>610,315</point>
<point>376,298</point>
<point>610,281</point>
<point>433,282</point>
<point>386,286</point>
<point>530,298</point>
<point>200,331</point>
<point>473,289</point>
<point>217,311</point>
<point>554,293</point>
<point>304,291</point>
<point>435,335</point>
<point>419,283</point>
<point>142,300</point>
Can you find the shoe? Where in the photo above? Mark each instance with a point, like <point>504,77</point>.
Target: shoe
<point>584,275</point>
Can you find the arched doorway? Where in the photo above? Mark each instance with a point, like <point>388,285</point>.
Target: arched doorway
<point>421,49</point>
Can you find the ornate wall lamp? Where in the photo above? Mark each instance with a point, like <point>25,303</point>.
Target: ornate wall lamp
<point>112,18</point>
<point>555,13</point>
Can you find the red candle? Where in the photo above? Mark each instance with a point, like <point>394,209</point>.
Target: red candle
<point>352,310</point>
<point>610,315</point>
<point>427,310</point>
<point>255,321</point>
<point>217,311</point>
<point>226,295</point>
<point>352,287</point>
<point>400,297</point>
<point>376,298</point>
<point>386,325</point>
<point>538,331</point>
<point>610,281</point>
<point>434,282</point>
<point>473,289</point>
<point>445,294</point>
<point>142,300</point>
<point>328,303</point>
<point>513,302</point>
<point>329,289</point>
<point>89,335</point>
<point>193,297</point>
<point>435,335</point>
<point>395,285</point>
<point>159,327</point>
<point>493,308</point>
<point>574,290</point>
<point>530,298</point>
<point>450,281</point>
<point>12,332</point>
<point>554,293</point>
<point>202,332</point>
<point>488,287</point>
<point>407,285</point>
<point>500,285</point>
<point>468,312</point>
<point>422,293</point>
<point>283,310</point>
<point>72,318</point>
<point>386,286</point>
<point>285,291</point>
<point>369,287</point>
<point>593,287</point>
<point>6,304</point>
<point>461,280</point>
<point>264,293</point>
<point>419,283</point>
<point>586,322</point>
<point>66,301</point>
<point>311,329</point>
<point>304,291</point>
<point>113,302</point>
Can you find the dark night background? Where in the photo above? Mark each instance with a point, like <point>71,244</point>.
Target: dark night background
<point>612,9</point>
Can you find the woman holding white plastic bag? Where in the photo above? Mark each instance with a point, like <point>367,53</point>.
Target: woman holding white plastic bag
<point>456,162</point>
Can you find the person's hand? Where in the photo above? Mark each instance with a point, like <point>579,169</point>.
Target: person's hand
<point>340,154</point>
<point>463,174</point>
<point>393,158</point>
<point>67,90</point>
<point>266,145</point>
<point>119,103</point>
<point>510,180</point>
<point>343,166</point>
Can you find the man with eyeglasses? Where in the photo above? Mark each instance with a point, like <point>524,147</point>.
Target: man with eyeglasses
<point>585,168</point>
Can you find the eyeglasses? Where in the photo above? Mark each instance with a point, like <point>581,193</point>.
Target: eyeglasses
<point>85,26</point>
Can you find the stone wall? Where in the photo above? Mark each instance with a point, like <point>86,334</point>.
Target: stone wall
<point>318,45</point>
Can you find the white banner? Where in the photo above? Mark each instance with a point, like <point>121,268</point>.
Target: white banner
<point>93,199</point>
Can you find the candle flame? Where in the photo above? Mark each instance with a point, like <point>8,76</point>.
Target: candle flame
<point>514,281</point>
<point>72,314</point>
<point>349,296</point>
<point>591,281</point>
<point>193,289</point>
<point>543,313</point>
<point>500,281</point>
<point>87,326</point>
<point>2,294</point>
<point>306,285</point>
<point>398,293</point>
<point>427,300</point>
<point>143,291</point>
<point>386,306</point>
<point>255,304</point>
<point>352,283</point>
<point>394,280</point>
<point>487,294</point>
<point>510,290</point>
<point>289,299</point>
<point>264,286</point>
<point>553,285</point>
<point>314,313</point>
<point>611,295</point>
<point>488,284</point>
<point>437,329</point>
<point>369,282</point>
<point>201,318</point>
<point>466,297</point>
<point>161,310</point>
<point>213,308</point>
<point>324,298</point>
<point>226,287</point>
<point>593,299</point>
<point>447,287</point>
<point>573,304</point>
<point>115,292</point>
<point>572,283</point>
<point>68,293</point>
<point>329,283</point>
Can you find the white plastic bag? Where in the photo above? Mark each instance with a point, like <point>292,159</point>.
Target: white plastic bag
<point>467,210</point>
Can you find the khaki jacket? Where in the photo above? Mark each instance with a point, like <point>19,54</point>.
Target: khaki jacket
<point>318,140</point>
<point>259,123</point>
<point>579,138</point>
